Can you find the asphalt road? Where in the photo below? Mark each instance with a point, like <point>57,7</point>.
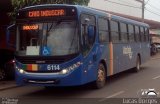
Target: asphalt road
<point>127,84</point>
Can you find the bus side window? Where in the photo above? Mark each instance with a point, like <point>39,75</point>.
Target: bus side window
<point>114,31</point>
<point>84,37</point>
<point>146,34</point>
<point>103,30</point>
<point>131,33</point>
<point>137,35</point>
<point>142,34</point>
<point>124,36</point>
<point>88,23</point>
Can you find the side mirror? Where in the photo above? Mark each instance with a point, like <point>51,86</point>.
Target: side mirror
<point>91,31</point>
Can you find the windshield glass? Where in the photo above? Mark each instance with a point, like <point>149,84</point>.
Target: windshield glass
<point>48,39</point>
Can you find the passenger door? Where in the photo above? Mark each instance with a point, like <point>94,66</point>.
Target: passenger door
<point>88,47</point>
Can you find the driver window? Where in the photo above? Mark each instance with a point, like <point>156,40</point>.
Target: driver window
<point>88,25</point>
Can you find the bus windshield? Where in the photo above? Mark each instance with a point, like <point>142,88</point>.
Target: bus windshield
<point>48,38</point>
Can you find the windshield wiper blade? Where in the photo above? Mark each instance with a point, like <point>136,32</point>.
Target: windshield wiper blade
<point>57,23</point>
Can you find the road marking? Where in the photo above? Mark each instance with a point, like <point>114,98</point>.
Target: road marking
<point>157,58</point>
<point>115,94</point>
<point>111,96</point>
<point>156,77</point>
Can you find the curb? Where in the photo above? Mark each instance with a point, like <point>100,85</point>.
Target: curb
<point>7,85</point>
<point>10,87</point>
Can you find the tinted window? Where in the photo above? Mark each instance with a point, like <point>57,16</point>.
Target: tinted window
<point>146,34</point>
<point>142,34</point>
<point>137,36</point>
<point>131,32</point>
<point>88,19</point>
<point>87,41</point>
<point>114,31</point>
<point>124,36</point>
<point>103,30</point>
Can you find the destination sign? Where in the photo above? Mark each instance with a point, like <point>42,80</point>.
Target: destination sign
<point>46,13</point>
<point>30,27</point>
<point>50,13</point>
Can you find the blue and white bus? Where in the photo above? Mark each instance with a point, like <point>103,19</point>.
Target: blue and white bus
<point>70,45</point>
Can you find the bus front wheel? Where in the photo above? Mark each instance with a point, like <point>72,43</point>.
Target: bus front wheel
<point>101,77</point>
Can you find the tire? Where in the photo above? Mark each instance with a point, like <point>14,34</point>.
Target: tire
<point>138,63</point>
<point>101,77</point>
<point>2,74</point>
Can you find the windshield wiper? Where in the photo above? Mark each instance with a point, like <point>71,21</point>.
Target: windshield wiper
<point>55,26</point>
<point>49,29</point>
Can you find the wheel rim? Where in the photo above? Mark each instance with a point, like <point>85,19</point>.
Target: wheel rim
<point>101,75</point>
<point>138,64</point>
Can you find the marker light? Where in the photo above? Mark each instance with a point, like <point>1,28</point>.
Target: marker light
<point>13,61</point>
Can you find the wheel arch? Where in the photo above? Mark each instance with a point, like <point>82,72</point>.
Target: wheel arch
<point>105,65</point>
<point>139,55</point>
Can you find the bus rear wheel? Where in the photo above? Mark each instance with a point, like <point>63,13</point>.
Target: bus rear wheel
<point>101,77</point>
<point>138,63</point>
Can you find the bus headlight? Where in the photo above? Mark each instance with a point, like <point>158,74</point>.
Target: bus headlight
<point>21,71</point>
<point>64,71</point>
<point>71,68</point>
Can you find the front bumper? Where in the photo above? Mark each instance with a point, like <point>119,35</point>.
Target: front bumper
<point>73,78</point>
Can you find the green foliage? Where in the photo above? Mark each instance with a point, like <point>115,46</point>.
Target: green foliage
<point>80,2</point>
<point>17,4</point>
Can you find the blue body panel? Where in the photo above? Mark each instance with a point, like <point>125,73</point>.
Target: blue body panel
<point>123,61</point>
<point>87,71</point>
<point>73,78</point>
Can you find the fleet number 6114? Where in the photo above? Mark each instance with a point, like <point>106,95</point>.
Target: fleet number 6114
<point>53,67</point>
